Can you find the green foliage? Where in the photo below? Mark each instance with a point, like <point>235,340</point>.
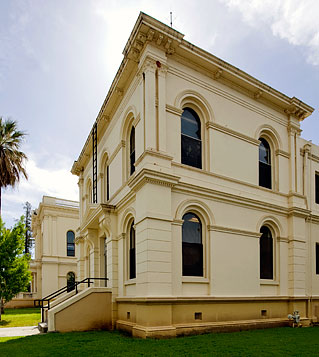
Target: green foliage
<point>11,158</point>
<point>14,265</point>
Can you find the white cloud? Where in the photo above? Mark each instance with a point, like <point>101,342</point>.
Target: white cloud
<point>51,182</point>
<point>292,20</point>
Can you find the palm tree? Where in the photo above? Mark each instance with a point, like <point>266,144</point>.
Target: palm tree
<point>11,158</point>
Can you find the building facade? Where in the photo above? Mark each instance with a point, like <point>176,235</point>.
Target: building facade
<point>54,225</point>
<point>199,199</point>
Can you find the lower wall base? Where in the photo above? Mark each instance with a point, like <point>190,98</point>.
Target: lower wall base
<point>165,317</point>
<point>193,329</point>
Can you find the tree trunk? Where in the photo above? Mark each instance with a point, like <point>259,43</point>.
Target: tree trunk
<point>0,208</point>
<point>0,307</point>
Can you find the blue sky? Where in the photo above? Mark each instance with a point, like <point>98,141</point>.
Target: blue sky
<point>58,59</point>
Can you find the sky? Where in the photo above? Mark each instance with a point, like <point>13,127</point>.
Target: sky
<point>58,59</point>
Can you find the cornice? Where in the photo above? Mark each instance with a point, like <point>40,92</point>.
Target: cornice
<point>153,153</point>
<point>92,218</point>
<point>233,199</point>
<point>298,212</point>
<point>229,179</point>
<point>154,177</point>
<point>291,105</point>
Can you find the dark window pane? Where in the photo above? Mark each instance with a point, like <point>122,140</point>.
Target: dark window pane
<point>191,145</point>
<point>264,152</point>
<point>70,281</point>
<point>70,237</point>
<point>317,188</point>
<point>264,164</point>
<point>264,175</point>
<point>191,124</point>
<point>132,150</point>
<point>192,229</point>
<point>132,252</point>
<point>191,151</point>
<point>266,254</point>
<point>192,259</point>
<point>107,183</point>
<point>132,264</point>
<point>192,247</point>
<point>70,250</point>
<point>317,258</point>
<point>132,162</point>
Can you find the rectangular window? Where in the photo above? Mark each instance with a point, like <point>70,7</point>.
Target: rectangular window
<point>317,187</point>
<point>317,258</point>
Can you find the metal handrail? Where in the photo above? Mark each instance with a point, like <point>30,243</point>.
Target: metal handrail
<point>68,288</point>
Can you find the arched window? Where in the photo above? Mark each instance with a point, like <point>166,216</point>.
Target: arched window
<point>264,164</point>
<point>132,253</point>
<point>266,254</point>
<point>191,143</point>
<point>70,246</point>
<point>192,245</point>
<point>70,281</point>
<point>132,150</point>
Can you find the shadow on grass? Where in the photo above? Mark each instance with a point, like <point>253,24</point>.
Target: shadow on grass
<point>4,322</point>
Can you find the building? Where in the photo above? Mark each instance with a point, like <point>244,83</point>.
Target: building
<point>54,224</point>
<point>199,199</point>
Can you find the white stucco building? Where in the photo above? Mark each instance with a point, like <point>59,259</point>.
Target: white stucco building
<point>199,199</point>
<point>54,224</point>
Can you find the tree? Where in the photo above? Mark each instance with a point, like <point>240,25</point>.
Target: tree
<point>11,158</point>
<point>28,234</point>
<point>14,265</point>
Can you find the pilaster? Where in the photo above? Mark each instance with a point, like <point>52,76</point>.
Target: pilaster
<point>154,258</point>
<point>148,69</point>
<point>161,106</point>
<point>297,255</point>
<point>293,134</point>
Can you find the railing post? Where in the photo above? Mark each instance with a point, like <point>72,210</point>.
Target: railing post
<point>76,287</point>
<point>88,282</point>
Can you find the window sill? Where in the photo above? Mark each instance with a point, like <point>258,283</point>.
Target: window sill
<point>268,282</point>
<point>195,279</point>
<point>130,282</point>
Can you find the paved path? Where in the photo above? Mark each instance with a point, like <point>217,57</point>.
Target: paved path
<point>19,331</point>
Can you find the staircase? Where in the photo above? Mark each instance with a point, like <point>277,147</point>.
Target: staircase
<point>74,309</point>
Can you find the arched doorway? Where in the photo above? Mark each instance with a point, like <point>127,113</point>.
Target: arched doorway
<point>70,281</point>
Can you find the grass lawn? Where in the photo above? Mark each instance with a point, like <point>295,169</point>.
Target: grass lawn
<point>271,342</point>
<point>20,317</point>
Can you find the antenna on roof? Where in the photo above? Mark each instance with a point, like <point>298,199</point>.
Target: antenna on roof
<point>171,15</point>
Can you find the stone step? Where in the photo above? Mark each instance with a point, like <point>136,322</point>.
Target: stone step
<point>43,327</point>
